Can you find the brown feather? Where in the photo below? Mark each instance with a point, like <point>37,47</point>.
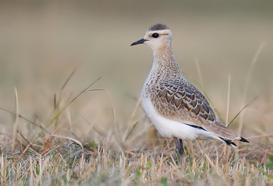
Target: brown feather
<point>178,100</point>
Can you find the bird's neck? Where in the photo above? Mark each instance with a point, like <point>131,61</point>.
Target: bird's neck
<point>164,64</point>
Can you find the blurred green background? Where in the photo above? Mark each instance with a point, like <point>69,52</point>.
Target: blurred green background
<point>41,42</point>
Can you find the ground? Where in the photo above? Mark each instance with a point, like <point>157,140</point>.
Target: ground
<point>125,157</point>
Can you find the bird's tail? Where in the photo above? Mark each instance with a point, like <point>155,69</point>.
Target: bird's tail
<point>225,134</point>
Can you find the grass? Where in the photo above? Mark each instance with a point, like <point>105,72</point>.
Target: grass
<point>62,161</point>
<point>123,156</point>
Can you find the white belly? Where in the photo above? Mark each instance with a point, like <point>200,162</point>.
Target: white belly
<point>171,128</point>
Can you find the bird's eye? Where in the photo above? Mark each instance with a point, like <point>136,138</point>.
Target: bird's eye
<point>155,35</point>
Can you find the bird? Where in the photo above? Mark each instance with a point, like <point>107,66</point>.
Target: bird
<point>176,107</point>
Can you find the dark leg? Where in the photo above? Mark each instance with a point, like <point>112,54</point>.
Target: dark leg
<point>179,146</point>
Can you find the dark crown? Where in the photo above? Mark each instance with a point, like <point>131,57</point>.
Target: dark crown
<point>158,27</point>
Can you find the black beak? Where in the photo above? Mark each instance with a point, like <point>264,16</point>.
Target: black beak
<point>141,41</point>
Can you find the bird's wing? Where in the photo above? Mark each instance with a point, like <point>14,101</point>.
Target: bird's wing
<point>181,101</point>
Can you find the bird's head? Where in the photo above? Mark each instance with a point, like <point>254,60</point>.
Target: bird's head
<point>158,36</point>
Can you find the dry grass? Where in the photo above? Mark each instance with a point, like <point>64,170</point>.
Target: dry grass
<point>123,156</point>
<point>62,161</point>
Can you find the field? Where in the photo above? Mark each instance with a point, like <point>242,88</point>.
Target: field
<point>70,83</point>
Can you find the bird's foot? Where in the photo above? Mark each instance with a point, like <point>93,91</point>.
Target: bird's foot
<point>179,147</point>
<point>179,150</point>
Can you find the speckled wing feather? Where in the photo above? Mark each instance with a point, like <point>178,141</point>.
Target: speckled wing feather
<point>181,101</point>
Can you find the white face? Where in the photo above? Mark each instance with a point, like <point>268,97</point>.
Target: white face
<point>158,39</point>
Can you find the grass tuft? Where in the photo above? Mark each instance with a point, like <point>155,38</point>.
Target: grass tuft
<point>121,156</point>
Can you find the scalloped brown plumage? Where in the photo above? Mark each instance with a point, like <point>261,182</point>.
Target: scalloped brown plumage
<point>175,106</point>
